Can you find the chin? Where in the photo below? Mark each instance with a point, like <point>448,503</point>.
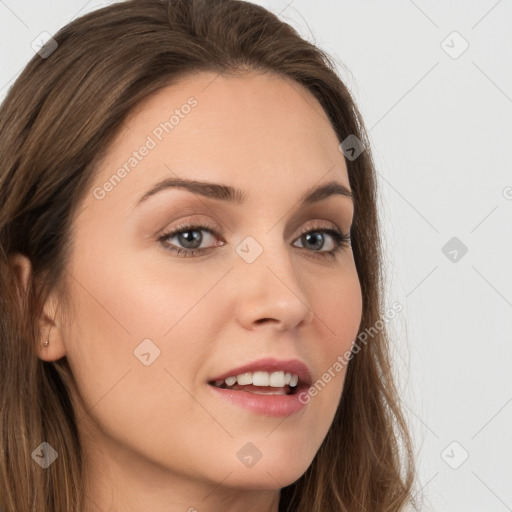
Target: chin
<point>277,469</point>
<point>265,478</point>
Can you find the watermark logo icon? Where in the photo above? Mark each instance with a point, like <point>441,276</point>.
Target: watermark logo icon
<point>454,455</point>
<point>44,44</point>
<point>454,45</point>
<point>454,249</point>
<point>351,147</point>
<point>146,352</point>
<point>249,454</point>
<point>249,249</point>
<point>44,455</point>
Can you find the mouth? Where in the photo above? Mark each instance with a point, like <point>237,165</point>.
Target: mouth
<point>262,383</point>
<point>268,386</point>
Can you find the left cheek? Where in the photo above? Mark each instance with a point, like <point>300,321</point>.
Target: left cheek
<point>339,311</point>
<point>339,315</point>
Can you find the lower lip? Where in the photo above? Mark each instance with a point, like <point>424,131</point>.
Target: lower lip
<point>267,405</point>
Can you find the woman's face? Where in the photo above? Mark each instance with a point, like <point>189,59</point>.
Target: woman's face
<point>157,318</point>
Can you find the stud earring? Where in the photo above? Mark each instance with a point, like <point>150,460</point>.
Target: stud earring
<point>47,342</point>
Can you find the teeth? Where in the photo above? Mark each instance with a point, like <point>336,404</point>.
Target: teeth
<point>260,379</point>
<point>277,380</point>
<point>244,379</point>
<point>230,381</point>
<point>272,379</point>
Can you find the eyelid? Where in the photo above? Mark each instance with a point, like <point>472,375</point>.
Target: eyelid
<point>213,227</point>
<point>341,239</point>
<point>187,224</point>
<point>319,225</point>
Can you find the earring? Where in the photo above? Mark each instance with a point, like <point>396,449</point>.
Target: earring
<point>47,342</point>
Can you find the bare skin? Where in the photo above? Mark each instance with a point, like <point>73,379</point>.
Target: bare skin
<point>155,437</point>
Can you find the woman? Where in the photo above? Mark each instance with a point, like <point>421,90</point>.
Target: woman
<point>190,269</point>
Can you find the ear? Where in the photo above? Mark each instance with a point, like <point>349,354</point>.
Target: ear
<point>49,322</point>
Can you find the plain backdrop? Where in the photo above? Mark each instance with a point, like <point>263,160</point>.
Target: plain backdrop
<point>433,81</point>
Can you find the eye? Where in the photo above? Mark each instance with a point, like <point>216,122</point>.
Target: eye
<point>188,239</point>
<point>315,240</point>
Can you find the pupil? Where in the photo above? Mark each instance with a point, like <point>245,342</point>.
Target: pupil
<point>319,239</point>
<point>190,237</point>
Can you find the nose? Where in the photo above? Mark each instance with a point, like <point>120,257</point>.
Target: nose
<point>269,292</point>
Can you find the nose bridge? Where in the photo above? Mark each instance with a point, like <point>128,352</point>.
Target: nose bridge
<point>268,284</point>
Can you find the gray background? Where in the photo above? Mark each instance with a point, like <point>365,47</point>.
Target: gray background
<point>440,127</point>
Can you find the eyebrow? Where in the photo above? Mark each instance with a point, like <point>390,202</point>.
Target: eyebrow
<point>236,196</point>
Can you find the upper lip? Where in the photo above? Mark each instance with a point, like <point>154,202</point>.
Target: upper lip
<point>270,364</point>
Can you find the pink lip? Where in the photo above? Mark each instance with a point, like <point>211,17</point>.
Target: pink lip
<point>269,364</point>
<point>268,405</point>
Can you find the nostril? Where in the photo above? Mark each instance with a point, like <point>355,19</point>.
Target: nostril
<point>261,320</point>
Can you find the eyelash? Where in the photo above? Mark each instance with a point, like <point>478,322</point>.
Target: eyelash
<point>341,240</point>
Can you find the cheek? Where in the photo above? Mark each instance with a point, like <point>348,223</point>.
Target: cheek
<point>136,298</point>
<point>115,315</point>
<point>122,315</point>
<point>337,304</point>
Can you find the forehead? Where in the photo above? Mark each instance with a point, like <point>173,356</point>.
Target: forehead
<point>247,131</point>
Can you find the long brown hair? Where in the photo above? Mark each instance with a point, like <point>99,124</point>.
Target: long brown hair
<point>57,120</point>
